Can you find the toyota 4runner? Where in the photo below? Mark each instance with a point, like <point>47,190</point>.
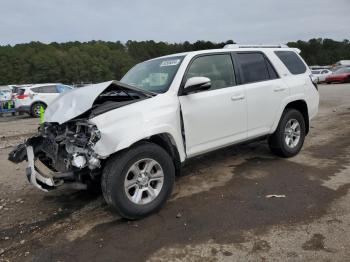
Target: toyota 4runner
<point>132,136</point>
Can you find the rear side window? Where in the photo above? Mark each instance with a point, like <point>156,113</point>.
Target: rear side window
<point>255,68</point>
<point>45,89</point>
<point>292,61</point>
<point>218,68</point>
<point>48,89</point>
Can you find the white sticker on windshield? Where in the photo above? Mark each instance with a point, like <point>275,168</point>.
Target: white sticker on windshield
<point>170,62</point>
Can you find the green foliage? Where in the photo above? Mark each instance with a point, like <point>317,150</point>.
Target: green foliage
<point>97,61</point>
<point>323,51</point>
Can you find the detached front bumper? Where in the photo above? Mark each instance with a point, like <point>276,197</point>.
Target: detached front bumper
<point>38,174</point>
<point>45,179</point>
<point>43,182</point>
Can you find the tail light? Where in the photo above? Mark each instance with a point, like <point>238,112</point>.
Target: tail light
<point>22,96</point>
<point>314,81</point>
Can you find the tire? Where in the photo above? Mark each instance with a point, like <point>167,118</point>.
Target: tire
<point>119,171</point>
<point>35,109</point>
<point>279,143</point>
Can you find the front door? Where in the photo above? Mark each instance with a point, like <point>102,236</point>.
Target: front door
<point>215,117</point>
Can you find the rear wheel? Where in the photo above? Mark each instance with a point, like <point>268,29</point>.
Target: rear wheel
<point>138,182</point>
<point>289,136</point>
<point>35,109</point>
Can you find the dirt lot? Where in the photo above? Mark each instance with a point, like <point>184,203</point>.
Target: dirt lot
<point>218,212</point>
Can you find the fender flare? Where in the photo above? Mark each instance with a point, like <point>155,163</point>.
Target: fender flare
<point>283,106</point>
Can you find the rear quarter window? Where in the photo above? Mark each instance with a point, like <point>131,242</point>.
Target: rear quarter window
<point>292,61</point>
<point>21,92</point>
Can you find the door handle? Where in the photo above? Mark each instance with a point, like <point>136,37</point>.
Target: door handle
<point>237,97</point>
<point>279,89</point>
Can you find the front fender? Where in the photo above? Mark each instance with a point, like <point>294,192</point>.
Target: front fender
<point>122,127</point>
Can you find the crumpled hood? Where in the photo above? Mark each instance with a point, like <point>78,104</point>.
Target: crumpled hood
<point>77,101</point>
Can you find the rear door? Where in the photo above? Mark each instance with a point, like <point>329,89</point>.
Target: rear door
<point>264,89</point>
<point>215,117</point>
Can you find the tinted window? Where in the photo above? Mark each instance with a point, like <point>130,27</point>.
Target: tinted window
<point>272,71</point>
<point>292,61</point>
<point>45,89</point>
<point>342,70</point>
<point>254,67</point>
<point>21,92</point>
<point>36,89</point>
<point>48,89</point>
<point>218,68</point>
<point>63,88</point>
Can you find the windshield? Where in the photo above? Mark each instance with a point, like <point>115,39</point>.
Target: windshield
<point>154,75</point>
<point>342,70</point>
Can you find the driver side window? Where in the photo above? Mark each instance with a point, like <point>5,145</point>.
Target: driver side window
<point>218,68</point>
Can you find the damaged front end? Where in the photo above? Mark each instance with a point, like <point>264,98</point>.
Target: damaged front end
<point>62,153</point>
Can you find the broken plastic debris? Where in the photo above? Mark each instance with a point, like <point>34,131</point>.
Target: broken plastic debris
<point>278,196</point>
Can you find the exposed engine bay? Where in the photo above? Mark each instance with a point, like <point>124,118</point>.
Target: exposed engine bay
<point>62,153</point>
<point>69,145</point>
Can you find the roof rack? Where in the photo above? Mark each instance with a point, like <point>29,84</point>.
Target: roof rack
<point>235,46</point>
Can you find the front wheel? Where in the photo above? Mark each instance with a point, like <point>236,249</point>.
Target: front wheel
<point>137,182</point>
<point>289,136</point>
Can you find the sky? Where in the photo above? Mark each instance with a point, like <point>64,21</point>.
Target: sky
<point>244,21</point>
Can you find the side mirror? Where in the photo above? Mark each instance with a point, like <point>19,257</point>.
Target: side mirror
<point>195,84</point>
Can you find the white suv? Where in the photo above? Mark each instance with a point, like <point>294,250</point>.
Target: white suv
<point>31,98</point>
<point>135,134</point>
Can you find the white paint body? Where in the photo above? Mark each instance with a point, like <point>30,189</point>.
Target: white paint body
<point>321,74</point>
<point>33,96</point>
<point>211,119</point>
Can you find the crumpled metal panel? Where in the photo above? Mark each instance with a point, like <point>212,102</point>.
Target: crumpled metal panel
<point>74,103</point>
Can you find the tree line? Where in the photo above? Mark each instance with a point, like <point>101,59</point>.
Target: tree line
<point>97,61</point>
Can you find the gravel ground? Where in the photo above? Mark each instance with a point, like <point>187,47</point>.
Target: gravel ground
<point>218,211</point>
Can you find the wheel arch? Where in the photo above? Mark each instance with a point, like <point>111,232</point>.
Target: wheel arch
<point>167,142</point>
<point>302,107</point>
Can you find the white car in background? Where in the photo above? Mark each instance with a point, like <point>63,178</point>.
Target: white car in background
<point>320,74</point>
<point>30,99</point>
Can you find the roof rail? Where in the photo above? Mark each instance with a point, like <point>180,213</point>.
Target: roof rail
<point>235,46</point>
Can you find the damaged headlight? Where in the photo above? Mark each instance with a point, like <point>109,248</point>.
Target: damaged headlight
<point>95,135</point>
